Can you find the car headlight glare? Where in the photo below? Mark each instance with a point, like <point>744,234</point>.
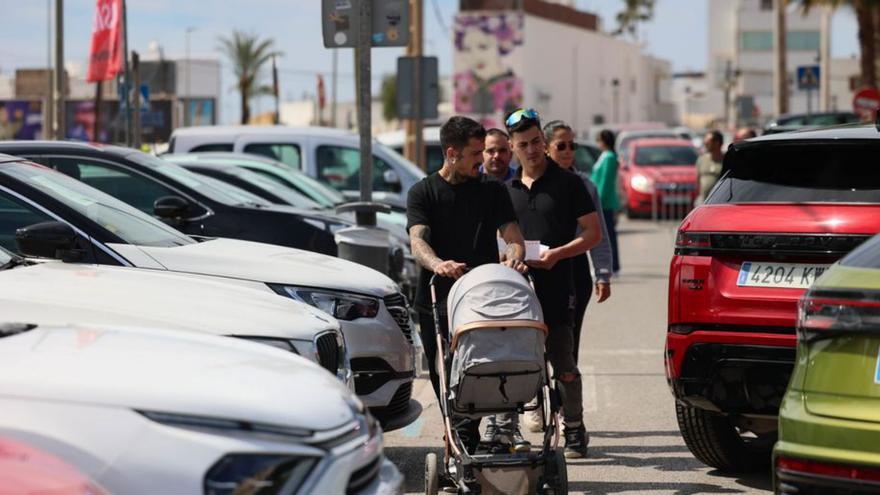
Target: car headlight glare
<point>342,306</point>
<point>252,474</point>
<point>642,184</point>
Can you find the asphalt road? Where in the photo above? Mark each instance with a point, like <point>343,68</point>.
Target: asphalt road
<point>635,445</point>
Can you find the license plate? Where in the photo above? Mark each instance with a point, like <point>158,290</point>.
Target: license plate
<point>780,275</point>
<point>676,199</point>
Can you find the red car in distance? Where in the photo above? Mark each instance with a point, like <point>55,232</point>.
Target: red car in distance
<point>24,470</point>
<point>787,206</point>
<point>658,177</point>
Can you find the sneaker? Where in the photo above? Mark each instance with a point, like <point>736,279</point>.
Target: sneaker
<point>534,420</point>
<point>520,444</point>
<point>490,434</point>
<point>576,441</point>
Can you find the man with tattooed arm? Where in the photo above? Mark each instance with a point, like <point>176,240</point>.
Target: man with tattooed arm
<point>454,217</point>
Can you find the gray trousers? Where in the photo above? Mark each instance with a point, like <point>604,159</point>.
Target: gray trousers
<point>560,351</point>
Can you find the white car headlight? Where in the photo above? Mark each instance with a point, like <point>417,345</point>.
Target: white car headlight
<point>340,305</point>
<point>642,184</point>
<point>257,473</point>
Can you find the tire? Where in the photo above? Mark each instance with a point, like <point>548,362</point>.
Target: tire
<point>432,478</point>
<point>554,480</point>
<point>714,441</point>
<point>561,484</point>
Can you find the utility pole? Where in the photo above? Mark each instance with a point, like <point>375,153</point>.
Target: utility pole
<point>825,60</point>
<point>413,148</point>
<point>276,116</point>
<point>136,107</point>
<point>126,94</point>
<point>61,123</point>
<point>187,118</point>
<point>333,88</point>
<point>364,100</point>
<point>780,74</point>
<point>48,113</point>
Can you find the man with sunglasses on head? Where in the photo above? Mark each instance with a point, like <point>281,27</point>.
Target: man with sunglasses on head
<point>551,204</point>
<point>454,217</point>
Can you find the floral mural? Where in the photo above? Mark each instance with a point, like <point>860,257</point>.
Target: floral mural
<point>486,85</point>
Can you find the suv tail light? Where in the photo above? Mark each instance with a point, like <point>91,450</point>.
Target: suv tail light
<point>688,243</point>
<point>828,312</point>
<point>802,466</point>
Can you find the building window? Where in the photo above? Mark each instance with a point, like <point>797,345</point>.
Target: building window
<point>756,41</point>
<point>762,41</point>
<point>803,41</point>
<point>766,4</point>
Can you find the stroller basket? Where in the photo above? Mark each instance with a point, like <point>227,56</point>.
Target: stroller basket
<point>497,344</point>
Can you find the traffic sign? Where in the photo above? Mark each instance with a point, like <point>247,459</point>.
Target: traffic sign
<point>866,102</point>
<point>340,23</point>
<point>429,88</point>
<point>808,77</point>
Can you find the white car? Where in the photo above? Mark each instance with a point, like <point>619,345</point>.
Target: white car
<point>146,411</point>
<point>56,293</point>
<point>372,311</point>
<point>332,156</point>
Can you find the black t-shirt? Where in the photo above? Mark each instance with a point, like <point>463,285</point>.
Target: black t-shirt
<point>464,220</point>
<point>548,212</point>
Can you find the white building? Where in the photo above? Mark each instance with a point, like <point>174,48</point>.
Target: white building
<point>552,57</point>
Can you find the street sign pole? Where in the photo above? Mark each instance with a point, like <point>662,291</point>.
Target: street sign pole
<point>362,55</point>
<point>809,101</point>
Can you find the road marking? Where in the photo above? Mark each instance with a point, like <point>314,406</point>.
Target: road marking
<point>415,428</point>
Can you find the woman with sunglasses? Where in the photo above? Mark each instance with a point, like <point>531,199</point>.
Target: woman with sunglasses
<point>561,148</point>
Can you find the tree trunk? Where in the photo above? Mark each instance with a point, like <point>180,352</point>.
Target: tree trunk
<point>865,19</point>
<point>875,25</point>
<point>245,106</point>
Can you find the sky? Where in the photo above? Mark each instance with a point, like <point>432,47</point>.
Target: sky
<point>677,33</point>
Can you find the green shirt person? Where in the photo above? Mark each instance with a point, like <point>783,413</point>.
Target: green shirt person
<point>604,175</point>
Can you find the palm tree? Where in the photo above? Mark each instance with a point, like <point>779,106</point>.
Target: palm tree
<point>633,13</point>
<point>248,54</point>
<point>867,17</point>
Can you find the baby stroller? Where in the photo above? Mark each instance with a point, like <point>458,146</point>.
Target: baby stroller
<point>493,361</point>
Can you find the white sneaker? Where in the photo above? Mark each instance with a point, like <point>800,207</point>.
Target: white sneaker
<point>534,420</point>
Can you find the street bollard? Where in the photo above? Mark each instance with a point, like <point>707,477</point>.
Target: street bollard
<point>365,243</point>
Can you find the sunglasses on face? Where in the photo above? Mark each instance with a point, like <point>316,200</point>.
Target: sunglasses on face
<point>518,115</point>
<point>562,145</point>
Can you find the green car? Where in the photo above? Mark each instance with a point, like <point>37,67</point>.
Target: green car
<point>829,422</point>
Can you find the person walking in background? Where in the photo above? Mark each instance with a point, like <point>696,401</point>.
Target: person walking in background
<point>550,205</point>
<point>709,165</point>
<point>561,148</point>
<point>453,218</point>
<point>604,175</point>
<point>497,156</point>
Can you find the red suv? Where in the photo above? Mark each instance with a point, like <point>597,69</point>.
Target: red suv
<point>786,207</point>
<point>659,176</point>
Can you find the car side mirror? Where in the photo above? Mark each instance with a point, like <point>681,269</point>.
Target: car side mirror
<point>170,207</point>
<point>55,240</point>
<point>392,179</point>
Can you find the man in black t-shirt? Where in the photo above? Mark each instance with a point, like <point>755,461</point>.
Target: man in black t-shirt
<point>454,217</point>
<point>550,205</point>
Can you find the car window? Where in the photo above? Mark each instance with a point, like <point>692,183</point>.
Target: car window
<point>339,167</point>
<point>865,256</point>
<point>434,157</point>
<point>585,158</point>
<point>238,195</point>
<point>126,222</point>
<point>127,186</point>
<point>807,173</point>
<point>289,195</point>
<point>212,147</point>
<point>286,153</point>
<point>15,214</point>
<point>665,155</point>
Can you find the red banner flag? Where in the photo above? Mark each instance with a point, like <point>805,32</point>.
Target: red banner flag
<point>105,57</point>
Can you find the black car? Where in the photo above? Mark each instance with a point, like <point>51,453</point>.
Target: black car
<point>186,201</point>
<point>797,121</point>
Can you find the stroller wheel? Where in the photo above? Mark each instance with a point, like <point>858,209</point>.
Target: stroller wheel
<point>555,478</point>
<point>432,478</point>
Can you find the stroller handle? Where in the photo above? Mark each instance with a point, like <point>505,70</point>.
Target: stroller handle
<point>433,281</point>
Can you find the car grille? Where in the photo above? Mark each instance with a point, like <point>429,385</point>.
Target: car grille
<point>370,374</point>
<point>364,476</point>
<point>399,309</point>
<point>329,352</point>
<point>676,186</point>
<point>398,405</point>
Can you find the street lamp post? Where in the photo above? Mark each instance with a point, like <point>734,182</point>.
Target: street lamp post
<point>187,118</point>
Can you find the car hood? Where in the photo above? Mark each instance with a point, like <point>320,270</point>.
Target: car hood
<point>59,293</point>
<point>265,263</point>
<point>172,372</point>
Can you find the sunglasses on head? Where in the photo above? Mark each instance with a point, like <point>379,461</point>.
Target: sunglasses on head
<point>518,115</point>
<point>561,145</point>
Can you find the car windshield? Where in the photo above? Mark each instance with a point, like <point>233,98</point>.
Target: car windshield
<point>865,256</point>
<point>406,166</point>
<point>126,222</point>
<point>288,195</point>
<point>806,173</point>
<point>242,197</point>
<point>199,184</point>
<point>665,155</point>
<point>321,194</point>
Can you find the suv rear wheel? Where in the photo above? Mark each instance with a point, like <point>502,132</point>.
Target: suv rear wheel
<point>714,440</point>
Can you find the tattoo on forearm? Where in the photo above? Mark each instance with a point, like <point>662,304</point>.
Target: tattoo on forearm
<point>514,252</point>
<point>421,250</point>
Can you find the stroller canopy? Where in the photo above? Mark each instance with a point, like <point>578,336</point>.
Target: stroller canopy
<point>491,293</point>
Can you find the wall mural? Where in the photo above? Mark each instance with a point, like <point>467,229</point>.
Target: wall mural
<point>486,85</point>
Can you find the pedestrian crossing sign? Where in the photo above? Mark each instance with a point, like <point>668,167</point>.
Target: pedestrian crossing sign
<point>808,77</point>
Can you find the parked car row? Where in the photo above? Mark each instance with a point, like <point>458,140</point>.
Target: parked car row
<point>772,302</point>
<point>137,302</point>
